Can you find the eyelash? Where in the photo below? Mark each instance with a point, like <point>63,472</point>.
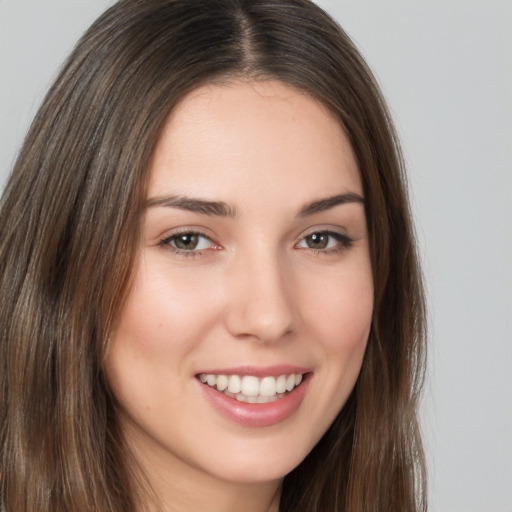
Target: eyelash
<point>343,243</point>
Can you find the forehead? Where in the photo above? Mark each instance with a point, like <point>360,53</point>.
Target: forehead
<point>251,136</point>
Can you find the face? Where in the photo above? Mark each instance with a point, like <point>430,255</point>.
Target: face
<point>245,329</point>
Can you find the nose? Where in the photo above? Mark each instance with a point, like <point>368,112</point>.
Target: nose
<point>261,304</point>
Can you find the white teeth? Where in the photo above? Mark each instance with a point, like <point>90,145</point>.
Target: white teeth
<point>234,384</point>
<point>250,386</point>
<point>281,384</point>
<point>252,389</point>
<point>290,382</point>
<point>222,382</point>
<point>268,386</point>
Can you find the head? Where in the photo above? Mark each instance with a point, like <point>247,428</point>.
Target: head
<point>72,218</point>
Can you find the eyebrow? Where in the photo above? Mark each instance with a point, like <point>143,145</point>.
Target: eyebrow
<point>222,209</point>
<point>217,208</point>
<point>327,203</point>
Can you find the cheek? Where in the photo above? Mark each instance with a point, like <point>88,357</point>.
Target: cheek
<point>342,313</point>
<point>341,318</point>
<point>156,330</point>
<point>345,345</point>
<point>352,324</point>
<point>338,316</point>
<point>161,313</point>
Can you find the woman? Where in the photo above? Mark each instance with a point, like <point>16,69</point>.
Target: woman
<point>211,292</point>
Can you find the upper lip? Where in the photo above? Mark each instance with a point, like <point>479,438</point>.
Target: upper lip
<point>258,371</point>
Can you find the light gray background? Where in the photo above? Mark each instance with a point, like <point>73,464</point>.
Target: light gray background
<point>446,69</point>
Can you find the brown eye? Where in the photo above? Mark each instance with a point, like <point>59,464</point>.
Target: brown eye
<point>325,241</point>
<point>317,240</point>
<point>186,242</point>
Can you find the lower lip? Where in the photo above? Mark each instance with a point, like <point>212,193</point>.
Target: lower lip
<point>257,415</point>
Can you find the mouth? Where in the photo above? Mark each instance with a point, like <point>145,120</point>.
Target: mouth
<point>252,389</point>
<point>256,397</point>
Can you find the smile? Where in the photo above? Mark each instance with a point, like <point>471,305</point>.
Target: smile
<point>252,389</point>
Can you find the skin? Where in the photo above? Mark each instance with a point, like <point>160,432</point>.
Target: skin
<point>254,291</point>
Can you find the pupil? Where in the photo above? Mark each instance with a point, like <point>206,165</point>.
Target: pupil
<point>188,241</point>
<point>317,241</point>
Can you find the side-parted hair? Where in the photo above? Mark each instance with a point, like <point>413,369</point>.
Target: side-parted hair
<point>70,225</point>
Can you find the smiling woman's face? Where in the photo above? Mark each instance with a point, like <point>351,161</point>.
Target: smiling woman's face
<point>254,273</point>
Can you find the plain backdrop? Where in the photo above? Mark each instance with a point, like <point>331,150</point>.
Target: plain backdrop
<point>446,69</point>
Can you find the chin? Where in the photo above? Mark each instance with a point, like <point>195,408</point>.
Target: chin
<point>260,462</point>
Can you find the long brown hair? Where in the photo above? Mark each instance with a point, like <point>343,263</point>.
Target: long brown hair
<point>70,225</point>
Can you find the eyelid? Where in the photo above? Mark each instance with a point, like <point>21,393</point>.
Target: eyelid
<point>323,228</point>
<point>185,230</point>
